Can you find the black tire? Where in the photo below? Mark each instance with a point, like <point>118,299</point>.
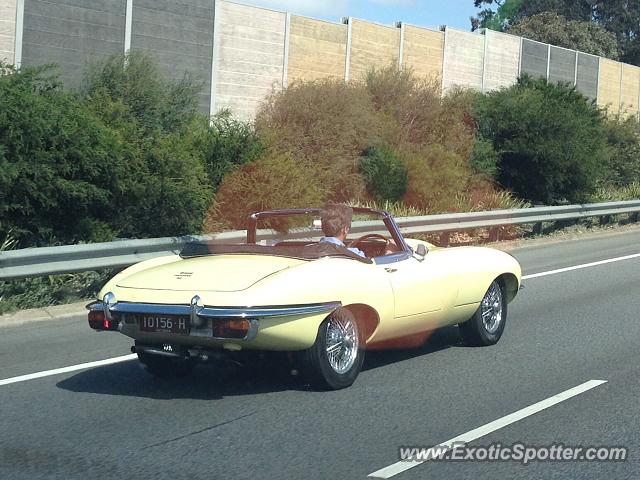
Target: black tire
<point>478,333</point>
<point>164,367</point>
<point>319,370</point>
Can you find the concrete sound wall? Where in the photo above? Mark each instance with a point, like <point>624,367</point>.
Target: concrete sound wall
<point>7,31</point>
<point>423,51</point>
<point>609,85</point>
<point>502,60</point>
<point>71,32</point>
<point>317,49</point>
<point>242,53</point>
<point>463,60</point>
<point>535,58</point>
<point>179,36</point>
<point>250,44</point>
<point>372,45</point>
<point>587,78</point>
<point>629,90</point>
<point>562,66</point>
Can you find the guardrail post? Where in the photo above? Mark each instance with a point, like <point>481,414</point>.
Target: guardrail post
<point>537,228</point>
<point>444,239</point>
<point>494,234</point>
<point>606,220</point>
<point>634,217</point>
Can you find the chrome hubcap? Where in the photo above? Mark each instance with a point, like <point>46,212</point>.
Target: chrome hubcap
<point>342,344</point>
<point>491,309</point>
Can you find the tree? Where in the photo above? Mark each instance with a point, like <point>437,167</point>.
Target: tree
<point>549,27</point>
<point>619,17</point>
<point>497,19</point>
<point>58,163</point>
<point>622,18</point>
<point>550,139</point>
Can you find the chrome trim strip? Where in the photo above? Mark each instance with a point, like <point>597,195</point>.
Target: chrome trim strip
<point>228,312</point>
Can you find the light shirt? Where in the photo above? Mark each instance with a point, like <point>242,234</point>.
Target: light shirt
<point>336,241</point>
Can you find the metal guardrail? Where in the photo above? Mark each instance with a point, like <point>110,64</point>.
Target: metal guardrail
<point>31,262</point>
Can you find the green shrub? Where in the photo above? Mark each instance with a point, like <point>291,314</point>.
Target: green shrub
<point>550,139</point>
<point>623,137</point>
<point>228,144</point>
<point>484,159</point>
<point>38,292</point>
<point>58,163</point>
<point>155,103</point>
<point>384,174</point>
<point>437,177</point>
<point>164,189</point>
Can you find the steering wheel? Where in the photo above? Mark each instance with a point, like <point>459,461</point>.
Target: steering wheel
<point>356,243</point>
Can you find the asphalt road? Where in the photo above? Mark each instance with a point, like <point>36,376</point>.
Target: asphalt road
<point>563,330</point>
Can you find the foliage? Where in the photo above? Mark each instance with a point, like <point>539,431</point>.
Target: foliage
<point>549,27</point>
<point>274,181</point>
<point>156,104</point>
<point>623,137</point>
<point>384,174</point>
<point>57,162</point>
<point>437,177</point>
<point>549,137</point>
<point>484,159</point>
<point>325,124</point>
<point>163,140</point>
<point>499,18</point>
<point>50,290</point>
<point>616,194</point>
<point>620,18</point>
<point>229,143</point>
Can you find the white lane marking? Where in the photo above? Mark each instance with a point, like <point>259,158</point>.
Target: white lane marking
<point>73,368</point>
<point>578,267</point>
<point>399,467</point>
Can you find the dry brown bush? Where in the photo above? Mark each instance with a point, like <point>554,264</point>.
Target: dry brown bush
<point>275,181</point>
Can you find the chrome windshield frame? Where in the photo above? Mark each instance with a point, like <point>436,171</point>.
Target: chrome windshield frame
<point>387,218</point>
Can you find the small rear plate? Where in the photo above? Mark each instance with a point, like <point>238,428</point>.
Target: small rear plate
<point>178,325</point>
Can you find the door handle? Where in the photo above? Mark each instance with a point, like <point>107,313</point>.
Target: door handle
<point>391,270</point>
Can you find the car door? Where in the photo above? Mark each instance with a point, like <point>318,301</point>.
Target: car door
<point>423,290</point>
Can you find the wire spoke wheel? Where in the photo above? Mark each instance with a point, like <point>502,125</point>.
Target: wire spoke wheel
<point>491,309</point>
<point>342,344</point>
<point>486,325</point>
<point>335,359</point>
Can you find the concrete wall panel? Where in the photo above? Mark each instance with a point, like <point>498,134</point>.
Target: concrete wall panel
<point>609,85</point>
<point>423,51</point>
<point>562,67</point>
<point>179,35</point>
<point>535,56</point>
<point>317,49</point>
<point>630,90</point>
<point>250,57</point>
<point>502,62</point>
<point>463,60</point>
<point>372,46</point>
<point>7,30</point>
<point>588,75</point>
<point>72,32</point>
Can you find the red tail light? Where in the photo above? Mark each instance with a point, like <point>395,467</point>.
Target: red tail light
<point>98,321</point>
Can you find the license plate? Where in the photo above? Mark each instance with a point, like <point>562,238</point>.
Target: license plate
<point>164,324</point>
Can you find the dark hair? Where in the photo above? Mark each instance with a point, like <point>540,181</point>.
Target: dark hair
<point>335,217</point>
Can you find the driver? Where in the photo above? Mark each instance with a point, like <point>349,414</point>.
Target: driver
<point>336,222</point>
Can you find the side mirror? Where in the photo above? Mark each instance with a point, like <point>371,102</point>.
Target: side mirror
<point>421,252</point>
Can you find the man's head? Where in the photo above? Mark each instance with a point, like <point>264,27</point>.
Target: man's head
<point>336,220</point>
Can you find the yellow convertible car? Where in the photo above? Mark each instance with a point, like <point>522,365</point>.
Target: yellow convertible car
<point>283,290</point>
